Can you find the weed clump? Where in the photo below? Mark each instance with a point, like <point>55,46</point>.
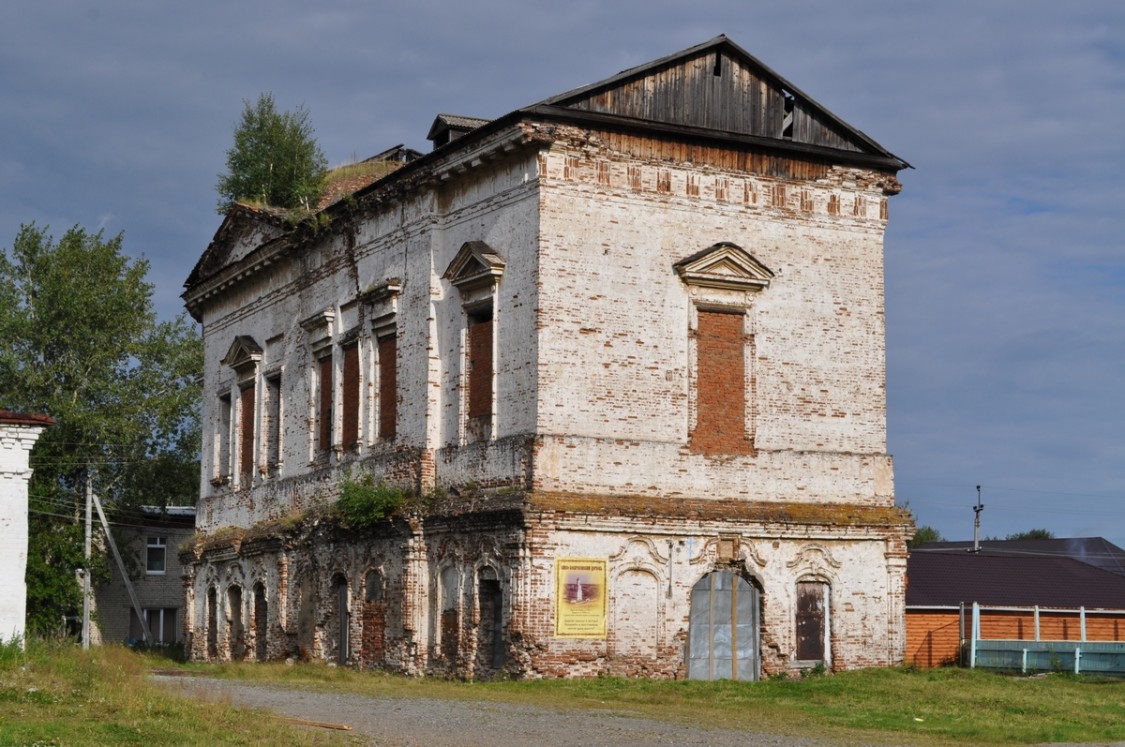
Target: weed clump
<point>365,502</point>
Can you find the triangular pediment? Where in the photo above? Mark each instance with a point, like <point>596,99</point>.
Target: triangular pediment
<point>244,351</point>
<point>476,264</point>
<point>244,229</point>
<point>724,265</point>
<point>717,86</point>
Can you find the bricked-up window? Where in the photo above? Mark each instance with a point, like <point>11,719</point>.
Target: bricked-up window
<point>812,621</point>
<point>246,430</point>
<point>222,440</point>
<point>271,422</point>
<point>388,386</point>
<point>324,404</point>
<point>349,417</point>
<point>480,363</point>
<point>720,395</point>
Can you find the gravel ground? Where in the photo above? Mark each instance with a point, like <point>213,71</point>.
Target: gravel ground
<point>423,722</point>
<point>427,722</point>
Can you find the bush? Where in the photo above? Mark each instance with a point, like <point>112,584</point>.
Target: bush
<point>365,502</point>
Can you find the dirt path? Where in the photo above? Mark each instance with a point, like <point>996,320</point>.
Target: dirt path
<point>423,722</point>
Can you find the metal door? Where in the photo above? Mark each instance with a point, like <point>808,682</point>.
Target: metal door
<point>723,629</point>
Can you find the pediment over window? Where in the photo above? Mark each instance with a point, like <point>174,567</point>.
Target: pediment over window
<point>725,266</point>
<point>243,352</point>
<point>318,328</point>
<point>476,265</point>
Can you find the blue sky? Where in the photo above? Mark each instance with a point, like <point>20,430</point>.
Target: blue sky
<point>1005,250</point>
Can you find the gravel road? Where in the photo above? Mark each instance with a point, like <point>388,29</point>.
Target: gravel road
<point>421,722</point>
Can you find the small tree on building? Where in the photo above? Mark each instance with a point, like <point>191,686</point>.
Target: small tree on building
<point>275,160</point>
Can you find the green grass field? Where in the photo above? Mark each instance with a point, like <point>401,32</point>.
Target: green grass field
<point>55,695</point>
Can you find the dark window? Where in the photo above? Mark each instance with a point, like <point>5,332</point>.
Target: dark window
<point>388,386</point>
<point>222,439</point>
<point>349,418</point>
<point>157,550</point>
<point>161,625</point>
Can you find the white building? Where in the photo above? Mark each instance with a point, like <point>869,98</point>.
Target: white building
<point>18,433</point>
<point>625,344</point>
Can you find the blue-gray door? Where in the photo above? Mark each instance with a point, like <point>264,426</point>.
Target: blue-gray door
<point>723,628</point>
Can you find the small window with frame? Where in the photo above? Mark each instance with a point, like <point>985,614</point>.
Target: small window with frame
<point>156,556</point>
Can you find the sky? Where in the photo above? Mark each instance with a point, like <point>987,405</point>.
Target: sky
<point>1005,251</point>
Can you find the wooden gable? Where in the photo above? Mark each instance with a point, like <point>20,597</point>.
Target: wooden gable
<point>719,87</point>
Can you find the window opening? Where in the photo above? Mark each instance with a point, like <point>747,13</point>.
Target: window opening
<point>349,419</point>
<point>373,586</point>
<point>723,628</point>
<point>718,69</point>
<point>157,550</point>
<point>490,633</point>
<point>342,620</point>
<point>388,386</point>
<point>236,634</point>
<point>787,117</point>
<point>720,423</point>
<point>212,623</point>
<point>272,424</point>
<point>246,431</point>
<point>480,366</point>
<point>261,622</point>
<point>222,439</point>
<point>324,404</point>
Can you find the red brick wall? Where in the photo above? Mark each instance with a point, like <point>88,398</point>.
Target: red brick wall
<point>388,386</point>
<point>246,430</point>
<point>480,368</point>
<point>720,385</point>
<point>349,418</point>
<point>372,643</point>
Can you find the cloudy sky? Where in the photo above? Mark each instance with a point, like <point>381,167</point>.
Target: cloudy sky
<point>1005,251</point>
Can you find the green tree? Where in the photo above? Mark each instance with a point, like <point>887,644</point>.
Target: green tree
<point>1032,534</point>
<point>274,160</point>
<point>924,536</point>
<point>82,344</point>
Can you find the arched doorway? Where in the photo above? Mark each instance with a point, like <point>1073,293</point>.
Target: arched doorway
<point>723,629</point>
<point>490,633</point>
<point>212,623</point>
<point>340,585</point>
<point>260,625</point>
<point>236,635</point>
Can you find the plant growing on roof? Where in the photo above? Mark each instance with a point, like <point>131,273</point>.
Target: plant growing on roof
<point>364,502</point>
<point>275,159</point>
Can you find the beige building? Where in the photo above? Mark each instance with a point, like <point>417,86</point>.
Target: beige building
<point>149,541</point>
<point>625,347</point>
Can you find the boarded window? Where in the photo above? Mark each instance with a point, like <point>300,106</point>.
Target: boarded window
<point>812,621</point>
<point>480,364</point>
<point>324,404</point>
<point>388,386</point>
<point>271,422</point>
<point>720,395</point>
<point>246,431</point>
<point>349,418</point>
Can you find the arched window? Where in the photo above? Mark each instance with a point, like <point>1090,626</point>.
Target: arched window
<point>813,622</point>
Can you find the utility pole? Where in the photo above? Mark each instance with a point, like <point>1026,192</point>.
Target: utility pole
<point>86,570</point>
<point>976,522</point>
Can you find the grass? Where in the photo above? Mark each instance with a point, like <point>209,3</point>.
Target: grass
<point>872,706</point>
<point>55,694</point>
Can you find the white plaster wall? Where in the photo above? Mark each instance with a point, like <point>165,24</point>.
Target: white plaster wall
<point>615,364</point>
<point>15,449</point>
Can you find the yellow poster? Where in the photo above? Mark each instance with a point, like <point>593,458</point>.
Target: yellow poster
<point>581,597</point>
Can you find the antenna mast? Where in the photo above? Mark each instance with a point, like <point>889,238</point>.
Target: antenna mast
<point>976,522</point>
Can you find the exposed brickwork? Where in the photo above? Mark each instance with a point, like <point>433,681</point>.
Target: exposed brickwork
<point>721,386</point>
<point>577,398</point>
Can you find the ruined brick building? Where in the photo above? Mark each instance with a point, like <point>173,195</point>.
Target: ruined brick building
<point>626,348</point>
